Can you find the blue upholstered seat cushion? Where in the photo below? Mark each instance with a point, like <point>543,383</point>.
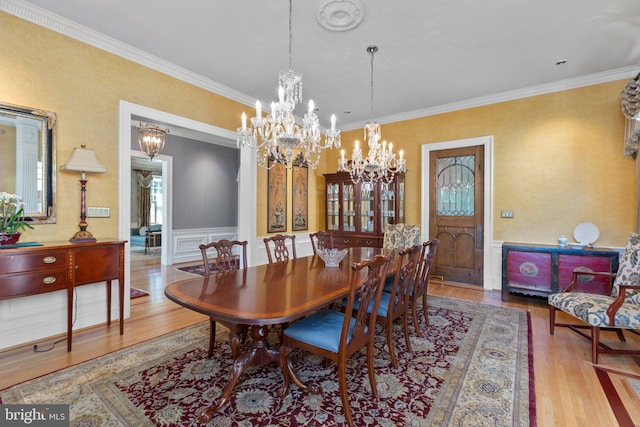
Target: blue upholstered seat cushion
<point>321,329</point>
<point>383,308</point>
<point>592,309</point>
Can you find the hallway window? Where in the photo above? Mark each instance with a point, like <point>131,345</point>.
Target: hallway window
<point>157,201</point>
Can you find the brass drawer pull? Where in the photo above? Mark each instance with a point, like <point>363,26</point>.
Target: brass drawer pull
<point>49,280</point>
<point>49,259</point>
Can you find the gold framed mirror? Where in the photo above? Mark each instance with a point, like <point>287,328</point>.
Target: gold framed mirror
<point>27,159</point>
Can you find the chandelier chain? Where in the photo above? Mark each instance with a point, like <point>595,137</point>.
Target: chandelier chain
<point>372,51</point>
<point>290,34</point>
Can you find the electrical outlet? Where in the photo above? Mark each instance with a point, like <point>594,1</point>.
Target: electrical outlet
<point>506,214</point>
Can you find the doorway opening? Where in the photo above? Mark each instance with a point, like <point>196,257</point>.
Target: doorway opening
<point>129,113</point>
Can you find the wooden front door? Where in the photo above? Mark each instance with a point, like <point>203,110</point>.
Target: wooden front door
<point>456,212</point>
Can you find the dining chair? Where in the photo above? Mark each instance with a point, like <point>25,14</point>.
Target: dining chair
<point>616,311</point>
<point>395,304</point>
<point>280,251</point>
<point>337,335</point>
<point>321,240</point>
<point>226,260</point>
<point>421,283</point>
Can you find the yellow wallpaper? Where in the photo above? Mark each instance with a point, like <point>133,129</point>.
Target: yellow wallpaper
<point>558,161</point>
<point>558,157</point>
<point>83,85</point>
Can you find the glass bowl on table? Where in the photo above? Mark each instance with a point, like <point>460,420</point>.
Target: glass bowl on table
<point>332,257</point>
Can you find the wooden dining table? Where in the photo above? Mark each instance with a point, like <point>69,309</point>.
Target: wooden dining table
<point>265,295</point>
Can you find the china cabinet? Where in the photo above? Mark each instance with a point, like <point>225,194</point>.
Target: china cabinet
<point>356,213</point>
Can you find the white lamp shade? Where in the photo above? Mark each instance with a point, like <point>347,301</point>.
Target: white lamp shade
<point>83,160</point>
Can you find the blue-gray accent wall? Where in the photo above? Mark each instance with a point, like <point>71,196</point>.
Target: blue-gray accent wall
<point>205,186</point>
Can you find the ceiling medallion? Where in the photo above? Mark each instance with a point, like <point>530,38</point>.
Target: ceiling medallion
<point>341,15</point>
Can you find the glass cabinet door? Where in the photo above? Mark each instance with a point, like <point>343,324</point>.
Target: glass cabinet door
<point>333,206</point>
<point>387,204</point>
<point>400,199</point>
<point>367,207</point>
<point>348,207</point>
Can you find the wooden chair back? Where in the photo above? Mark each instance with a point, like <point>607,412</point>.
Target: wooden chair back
<point>421,282</point>
<point>280,251</point>
<point>397,301</point>
<point>370,290</point>
<point>321,240</point>
<point>226,259</point>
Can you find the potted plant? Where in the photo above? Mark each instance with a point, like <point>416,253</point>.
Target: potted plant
<point>11,218</point>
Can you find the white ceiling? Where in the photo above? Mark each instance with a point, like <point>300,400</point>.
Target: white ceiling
<point>433,55</point>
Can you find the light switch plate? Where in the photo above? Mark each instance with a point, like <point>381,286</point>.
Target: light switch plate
<point>506,214</point>
<point>98,212</point>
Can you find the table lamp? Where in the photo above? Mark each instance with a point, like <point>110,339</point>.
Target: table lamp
<point>83,160</point>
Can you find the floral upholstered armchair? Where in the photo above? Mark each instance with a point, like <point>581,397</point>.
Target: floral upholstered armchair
<point>617,311</point>
<point>401,236</point>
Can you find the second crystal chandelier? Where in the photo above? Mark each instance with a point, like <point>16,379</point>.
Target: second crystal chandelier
<point>380,164</point>
<point>277,137</point>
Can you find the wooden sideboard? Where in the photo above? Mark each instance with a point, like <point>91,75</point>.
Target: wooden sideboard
<point>539,270</point>
<point>32,270</point>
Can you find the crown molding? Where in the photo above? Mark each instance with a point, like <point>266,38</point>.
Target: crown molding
<point>61,25</point>
<point>558,86</point>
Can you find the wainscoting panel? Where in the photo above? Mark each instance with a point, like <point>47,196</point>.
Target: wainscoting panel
<point>303,248</point>
<point>39,317</point>
<point>185,243</point>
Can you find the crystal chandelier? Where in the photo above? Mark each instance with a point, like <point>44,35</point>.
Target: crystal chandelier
<point>380,164</point>
<point>151,139</point>
<point>277,137</point>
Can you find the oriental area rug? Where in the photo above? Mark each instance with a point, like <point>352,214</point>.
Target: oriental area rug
<point>473,367</point>
<point>193,269</point>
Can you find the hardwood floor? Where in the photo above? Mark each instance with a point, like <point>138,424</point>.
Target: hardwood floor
<point>568,392</point>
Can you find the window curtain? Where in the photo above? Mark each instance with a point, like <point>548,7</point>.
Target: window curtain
<point>145,178</point>
<point>630,101</point>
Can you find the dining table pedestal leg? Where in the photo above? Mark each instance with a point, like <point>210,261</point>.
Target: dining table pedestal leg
<point>258,355</point>
<point>289,374</point>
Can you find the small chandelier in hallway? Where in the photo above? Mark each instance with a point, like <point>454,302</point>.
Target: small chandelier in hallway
<point>151,139</point>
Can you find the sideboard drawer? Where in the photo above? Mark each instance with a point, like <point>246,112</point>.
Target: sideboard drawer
<point>343,242</point>
<point>529,270</point>
<point>586,283</point>
<point>359,240</point>
<point>15,285</point>
<point>18,262</point>
<point>364,242</point>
